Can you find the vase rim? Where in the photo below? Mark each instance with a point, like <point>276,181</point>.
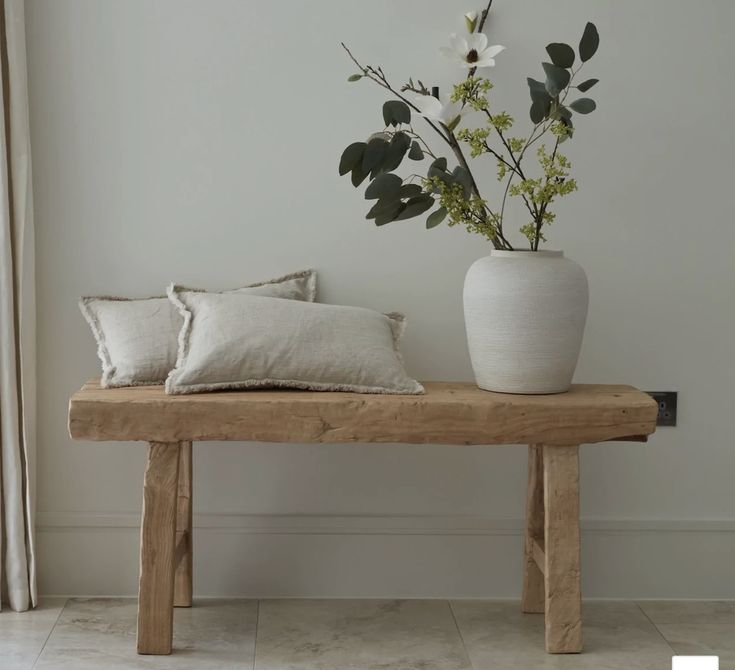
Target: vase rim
<point>515,253</point>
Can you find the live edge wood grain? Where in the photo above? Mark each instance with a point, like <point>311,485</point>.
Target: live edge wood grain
<point>449,413</point>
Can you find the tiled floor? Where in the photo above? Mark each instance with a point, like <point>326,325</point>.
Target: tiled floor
<point>99,634</point>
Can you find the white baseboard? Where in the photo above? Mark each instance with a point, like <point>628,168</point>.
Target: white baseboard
<point>312,524</point>
<point>387,556</point>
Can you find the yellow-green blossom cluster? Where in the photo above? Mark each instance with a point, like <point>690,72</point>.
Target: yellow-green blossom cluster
<point>462,210</point>
<point>476,139</point>
<point>473,92</point>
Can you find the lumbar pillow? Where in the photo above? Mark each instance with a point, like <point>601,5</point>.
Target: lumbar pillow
<point>238,341</point>
<point>137,339</point>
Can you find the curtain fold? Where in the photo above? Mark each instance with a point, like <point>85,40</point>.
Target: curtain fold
<point>17,320</point>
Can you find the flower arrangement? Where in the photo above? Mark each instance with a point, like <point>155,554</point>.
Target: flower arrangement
<point>455,190</point>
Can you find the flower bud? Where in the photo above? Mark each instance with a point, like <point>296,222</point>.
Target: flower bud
<point>470,19</point>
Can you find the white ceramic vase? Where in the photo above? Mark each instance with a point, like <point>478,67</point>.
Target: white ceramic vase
<point>525,313</point>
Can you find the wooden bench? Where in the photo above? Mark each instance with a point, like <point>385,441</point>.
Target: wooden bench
<point>450,413</point>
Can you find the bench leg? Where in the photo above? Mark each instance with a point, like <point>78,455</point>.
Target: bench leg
<point>563,599</point>
<point>533,577</point>
<point>157,548</point>
<point>183,579</point>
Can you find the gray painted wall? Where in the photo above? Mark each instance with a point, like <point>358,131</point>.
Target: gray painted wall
<point>198,142</point>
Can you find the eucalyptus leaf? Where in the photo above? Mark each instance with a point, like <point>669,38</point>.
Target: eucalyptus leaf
<point>415,206</point>
<point>537,89</point>
<point>435,218</point>
<point>399,144</point>
<point>589,42</point>
<point>583,105</point>
<point>416,153</point>
<point>354,77</point>
<point>351,156</point>
<point>586,85</point>
<point>358,175</point>
<point>410,190</point>
<point>463,177</point>
<point>390,214</point>
<point>375,152</point>
<point>383,206</point>
<point>384,185</point>
<point>557,78</point>
<point>561,54</point>
<point>570,128</point>
<point>563,113</point>
<point>439,163</point>
<point>539,110</point>
<point>395,112</point>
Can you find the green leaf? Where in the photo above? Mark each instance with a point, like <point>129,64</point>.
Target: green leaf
<point>390,214</point>
<point>358,175</point>
<point>395,112</point>
<point>464,178</point>
<point>415,206</point>
<point>589,42</point>
<point>570,127</point>
<point>351,156</point>
<point>354,77</point>
<point>439,163</point>
<point>416,153</point>
<point>399,144</point>
<point>563,113</point>
<point>536,88</point>
<point>539,110</point>
<point>384,185</point>
<point>375,152</point>
<point>557,78</point>
<point>410,190</point>
<point>383,206</point>
<point>541,100</point>
<point>561,54</point>
<point>583,105</point>
<point>435,218</point>
<point>587,85</point>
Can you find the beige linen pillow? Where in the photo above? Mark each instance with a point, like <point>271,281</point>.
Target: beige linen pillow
<point>137,339</point>
<point>237,341</point>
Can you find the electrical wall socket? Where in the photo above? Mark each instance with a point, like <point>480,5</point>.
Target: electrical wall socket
<point>667,401</point>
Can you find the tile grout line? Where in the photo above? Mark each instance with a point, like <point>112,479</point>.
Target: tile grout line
<point>663,637</point>
<point>255,638</point>
<point>459,632</point>
<point>51,630</point>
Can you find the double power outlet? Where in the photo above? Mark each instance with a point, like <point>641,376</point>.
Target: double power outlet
<point>666,407</point>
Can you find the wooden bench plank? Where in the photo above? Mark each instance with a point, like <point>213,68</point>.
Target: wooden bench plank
<point>449,413</point>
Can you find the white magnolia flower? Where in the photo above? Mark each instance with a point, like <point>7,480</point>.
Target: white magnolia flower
<point>472,51</point>
<point>470,19</point>
<point>442,110</point>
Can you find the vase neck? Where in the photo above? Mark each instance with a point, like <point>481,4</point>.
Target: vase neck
<point>526,253</point>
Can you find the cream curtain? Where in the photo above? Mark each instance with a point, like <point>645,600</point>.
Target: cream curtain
<point>17,320</point>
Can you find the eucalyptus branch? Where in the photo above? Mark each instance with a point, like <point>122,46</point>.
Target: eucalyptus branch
<point>427,149</point>
<point>379,78</point>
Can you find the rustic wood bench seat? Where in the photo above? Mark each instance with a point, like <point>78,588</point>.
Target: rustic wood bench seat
<point>452,413</point>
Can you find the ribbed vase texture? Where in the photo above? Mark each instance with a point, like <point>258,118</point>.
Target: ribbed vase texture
<point>525,314</point>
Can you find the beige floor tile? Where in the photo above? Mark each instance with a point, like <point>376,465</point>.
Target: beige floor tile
<point>358,635</point>
<point>23,634</point>
<point>100,633</point>
<point>617,636</point>
<point>703,639</point>
<point>689,611</point>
